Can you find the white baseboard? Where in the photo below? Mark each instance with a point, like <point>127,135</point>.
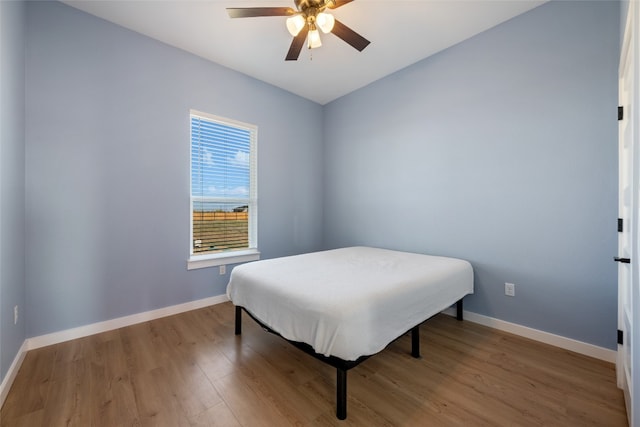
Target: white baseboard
<point>7,382</point>
<point>109,325</point>
<point>541,336</point>
<point>95,328</point>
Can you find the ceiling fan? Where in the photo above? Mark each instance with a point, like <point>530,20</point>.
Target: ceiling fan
<point>303,23</point>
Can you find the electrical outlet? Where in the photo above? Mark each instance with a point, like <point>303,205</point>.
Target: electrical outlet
<point>510,289</point>
<point>223,270</point>
<point>15,315</point>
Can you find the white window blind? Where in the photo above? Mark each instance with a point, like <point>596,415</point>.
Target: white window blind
<point>223,186</point>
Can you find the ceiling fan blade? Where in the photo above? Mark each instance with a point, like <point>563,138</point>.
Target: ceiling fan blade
<point>296,45</point>
<point>252,12</point>
<point>350,36</point>
<point>337,3</point>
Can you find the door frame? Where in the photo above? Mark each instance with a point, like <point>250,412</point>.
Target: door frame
<point>631,46</point>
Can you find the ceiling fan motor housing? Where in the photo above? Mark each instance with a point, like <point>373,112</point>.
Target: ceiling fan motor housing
<point>303,5</point>
<point>311,13</point>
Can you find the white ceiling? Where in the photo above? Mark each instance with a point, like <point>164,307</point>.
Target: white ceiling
<point>401,32</point>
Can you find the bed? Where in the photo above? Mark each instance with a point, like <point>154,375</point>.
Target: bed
<point>345,305</point>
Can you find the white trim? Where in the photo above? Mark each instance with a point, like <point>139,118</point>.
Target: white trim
<point>251,201</point>
<point>224,258</point>
<point>223,120</point>
<point>7,382</point>
<point>537,335</point>
<point>108,325</point>
<point>513,328</point>
<point>95,328</point>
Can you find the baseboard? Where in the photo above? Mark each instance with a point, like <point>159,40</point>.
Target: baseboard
<point>109,325</point>
<point>95,328</point>
<point>7,381</point>
<point>541,336</point>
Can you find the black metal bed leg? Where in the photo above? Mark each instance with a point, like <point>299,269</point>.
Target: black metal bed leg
<point>459,309</point>
<point>341,394</point>
<point>415,342</point>
<point>238,320</point>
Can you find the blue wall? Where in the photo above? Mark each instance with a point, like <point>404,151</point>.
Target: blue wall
<point>501,150</point>
<point>12,170</point>
<point>107,155</point>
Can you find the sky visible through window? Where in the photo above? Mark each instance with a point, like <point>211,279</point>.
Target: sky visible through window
<point>220,165</point>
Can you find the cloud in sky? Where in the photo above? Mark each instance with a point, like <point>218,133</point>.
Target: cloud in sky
<point>207,157</point>
<point>238,191</point>
<point>241,191</point>
<point>241,159</point>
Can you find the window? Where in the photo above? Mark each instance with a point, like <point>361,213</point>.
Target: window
<point>223,191</point>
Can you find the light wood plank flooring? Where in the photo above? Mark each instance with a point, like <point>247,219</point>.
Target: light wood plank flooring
<point>191,370</point>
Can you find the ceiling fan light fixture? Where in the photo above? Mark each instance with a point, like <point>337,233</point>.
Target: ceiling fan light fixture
<point>295,24</point>
<point>303,23</point>
<point>325,21</point>
<point>314,39</point>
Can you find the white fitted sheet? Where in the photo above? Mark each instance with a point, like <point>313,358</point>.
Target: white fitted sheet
<point>349,302</point>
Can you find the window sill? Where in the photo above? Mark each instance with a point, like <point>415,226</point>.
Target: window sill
<point>236,257</point>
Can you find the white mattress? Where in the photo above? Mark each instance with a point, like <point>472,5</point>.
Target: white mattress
<point>349,302</point>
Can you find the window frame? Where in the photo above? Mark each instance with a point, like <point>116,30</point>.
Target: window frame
<point>235,256</point>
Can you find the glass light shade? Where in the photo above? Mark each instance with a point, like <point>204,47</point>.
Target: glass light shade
<point>295,24</point>
<point>314,39</point>
<point>325,21</point>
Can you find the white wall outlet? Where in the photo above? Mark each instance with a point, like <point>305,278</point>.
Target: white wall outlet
<point>223,270</point>
<point>15,315</point>
<point>510,289</point>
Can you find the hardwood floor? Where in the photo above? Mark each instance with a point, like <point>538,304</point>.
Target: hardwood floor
<point>191,370</point>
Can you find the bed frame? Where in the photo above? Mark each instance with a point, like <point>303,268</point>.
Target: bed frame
<point>342,366</point>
